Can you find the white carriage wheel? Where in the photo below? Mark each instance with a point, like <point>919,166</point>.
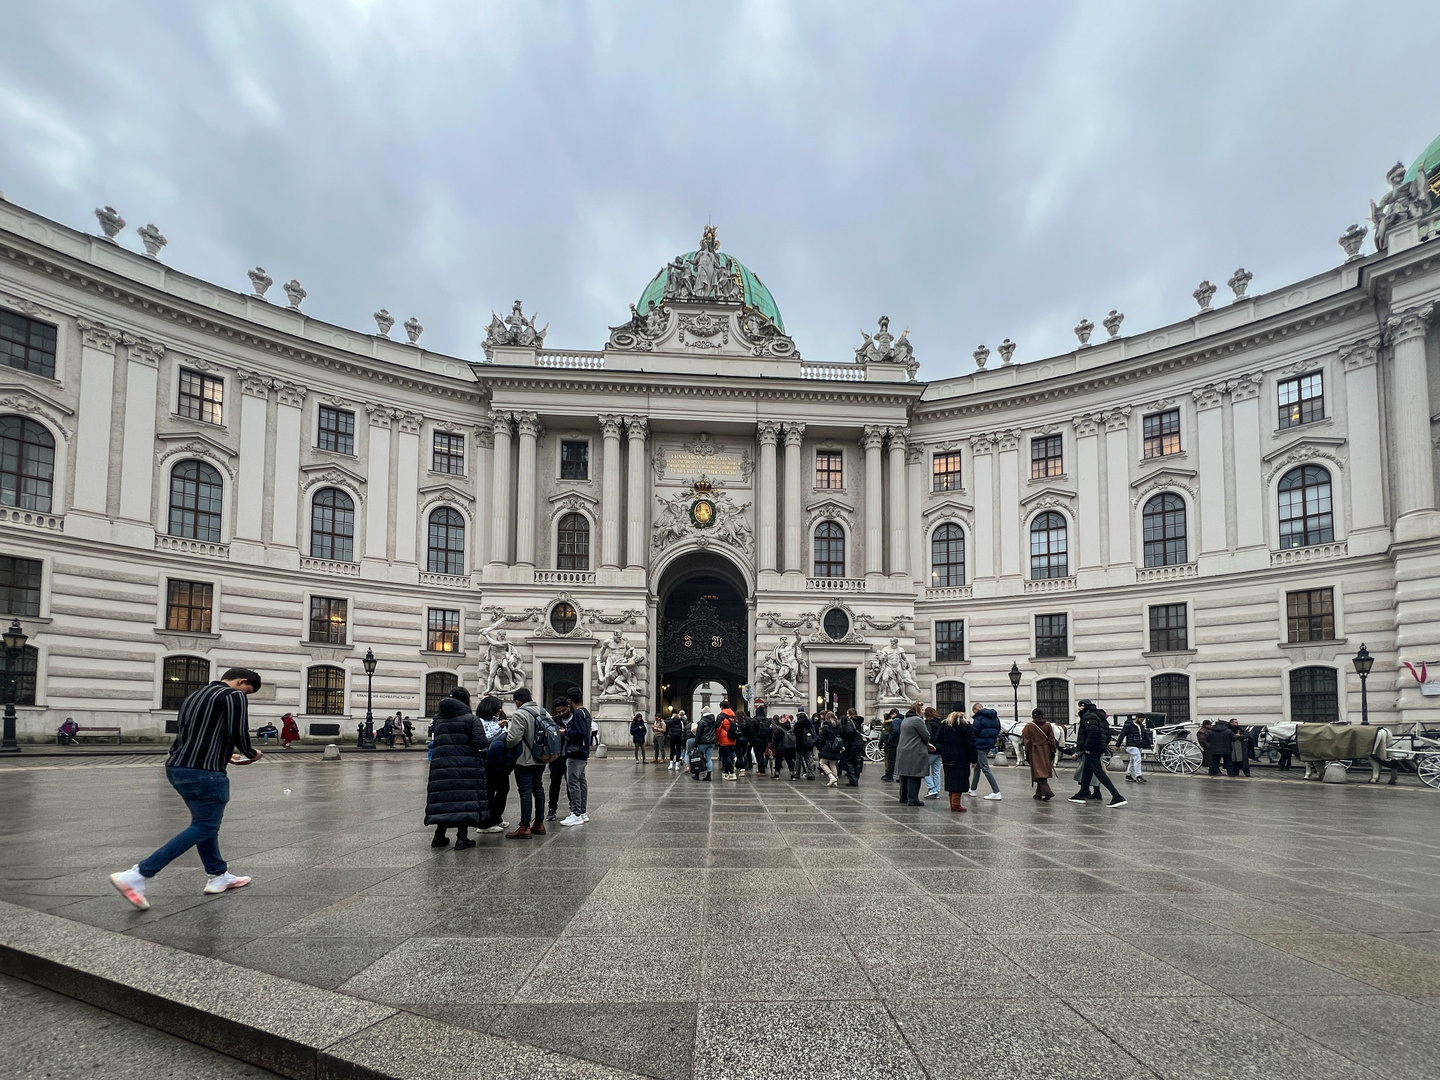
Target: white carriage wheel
<point>1428,768</point>
<point>874,751</point>
<point>1180,756</point>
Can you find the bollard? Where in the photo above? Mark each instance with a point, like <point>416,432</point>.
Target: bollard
<point>331,753</point>
<point>600,750</point>
<point>1334,773</point>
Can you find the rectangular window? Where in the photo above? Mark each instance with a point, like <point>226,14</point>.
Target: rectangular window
<point>327,620</point>
<point>1052,635</point>
<point>443,631</point>
<point>945,471</point>
<point>1162,434</point>
<point>336,431</point>
<point>950,641</point>
<point>188,606</point>
<point>27,344</point>
<point>829,469</point>
<point>448,453</point>
<point>574,459</point>
<point>1047,456</point>
<point>201,397</point>
<point>1169,631</point>
<point>1310,615</point>
<point>20,585</point>
<point>1302,400</point>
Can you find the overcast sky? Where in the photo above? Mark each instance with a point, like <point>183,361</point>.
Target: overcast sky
<point>972,170</point>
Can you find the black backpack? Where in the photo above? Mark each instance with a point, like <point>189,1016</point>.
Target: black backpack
<point>762,731</point>
<point>548,744</point>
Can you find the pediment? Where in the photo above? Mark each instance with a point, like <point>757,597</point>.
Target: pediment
<point>948,507</point>
<point>32,393</point>
<point>445,491</point>
<point>333,467</point>
<point>1327,441</point>
<point>1171,472</point>
<point>1052,493</point>
<point>215,446</point>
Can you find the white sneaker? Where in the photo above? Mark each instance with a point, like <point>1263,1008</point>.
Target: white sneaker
<point>225,882</point>
<point>584,818</point>
<point>994,795</point>
<point>496,828</point>
<point>131,885</point>
<point>573,819</point>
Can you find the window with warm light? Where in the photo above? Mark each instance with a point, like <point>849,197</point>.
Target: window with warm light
<point>443,630</point>
<point>328,620</point>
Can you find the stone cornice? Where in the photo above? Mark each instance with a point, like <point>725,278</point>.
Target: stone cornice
<point>777,388</point>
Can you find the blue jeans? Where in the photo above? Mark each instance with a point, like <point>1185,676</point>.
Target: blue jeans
<point>706,751</point>
<point>934,778</point>
<point>205,794</point>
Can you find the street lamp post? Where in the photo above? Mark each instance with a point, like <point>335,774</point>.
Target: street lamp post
<point>14,649</point>
<point>1015,689</point>
<point>1363,662</point>
<point>369,662</point>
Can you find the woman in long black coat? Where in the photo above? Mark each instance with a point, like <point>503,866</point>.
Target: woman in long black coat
<point>457,793</point>
<point>955,741</point>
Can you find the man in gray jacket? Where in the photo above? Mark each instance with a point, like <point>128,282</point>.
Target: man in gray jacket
<point>520,731</point>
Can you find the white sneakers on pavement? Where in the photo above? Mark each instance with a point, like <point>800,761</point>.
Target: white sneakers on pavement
<point>574,819</point>
<point>131,885</point>
<point>972,794</point>
<point>225,882</point>
<point>584,818</point>
<point>994,796</point>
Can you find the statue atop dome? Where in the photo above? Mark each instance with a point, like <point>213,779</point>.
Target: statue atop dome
<point>1406,200</point>
<point>704,274</point>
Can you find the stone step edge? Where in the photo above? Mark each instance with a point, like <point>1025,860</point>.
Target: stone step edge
<point>288,1027</point>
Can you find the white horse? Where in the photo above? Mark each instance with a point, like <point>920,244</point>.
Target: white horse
<point>1379,755</point>
<point>1010,731</point>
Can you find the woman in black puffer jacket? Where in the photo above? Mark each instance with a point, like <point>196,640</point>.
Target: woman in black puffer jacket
<point>457,793</point>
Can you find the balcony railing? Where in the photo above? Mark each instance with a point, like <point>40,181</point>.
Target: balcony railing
<point>835,584</point>
<point>838,372</point>
<point>1291,556</point>
<point>33,519</point>
<point>1165,573</point>
<point>1054,584</point>
<point>164,542</point>
<point>330,566</point>
<point>591,361</point>
<point>564,577</point>
<point>445,581</point>
<point>950,592</point>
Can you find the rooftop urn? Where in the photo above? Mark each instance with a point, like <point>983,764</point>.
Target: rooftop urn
<point>1083,329</point>
<point>413,330</point>
<point>259,281</point>
<point>1203,294</point>
<point>1007,350</point>
<point>1350,240</point>
<point>384,320</point>
<point>110,221</point>
<point>1112,322</point>
<point>153,241</point>
<point>1239,282</point>
<point>295,292</point>
<point>981,354</point>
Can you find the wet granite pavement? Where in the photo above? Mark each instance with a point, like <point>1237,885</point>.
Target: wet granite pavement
<point>1209,929</point>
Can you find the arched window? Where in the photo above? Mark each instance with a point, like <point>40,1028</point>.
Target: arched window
<point>332,526</point>
<point>1052,696</point>
<point>447,541</point>
<point>438,685</point>
<point>829,550</point>
<point>1305,511</point>
<point>26,667</point>
<point>1049,547</point>
<point>325,691</point>
<point>27,464</point>
<point>947,557</point>
<point>1170,694</point>
<point>181,677</point>
<point>1164,524</point>
<point>196,496</point>
<point>572,543</point>
<point>949,697</point>
<point>1314,695</point>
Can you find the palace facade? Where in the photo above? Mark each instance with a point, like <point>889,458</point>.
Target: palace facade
<point>1204,519</point>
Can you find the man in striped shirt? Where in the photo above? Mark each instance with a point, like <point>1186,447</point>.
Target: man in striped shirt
<point>214,732</point>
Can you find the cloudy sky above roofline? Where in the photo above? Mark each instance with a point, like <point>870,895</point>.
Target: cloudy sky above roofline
<point>975,171</point>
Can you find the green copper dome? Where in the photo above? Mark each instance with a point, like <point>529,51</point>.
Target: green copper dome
<point>753,291</point>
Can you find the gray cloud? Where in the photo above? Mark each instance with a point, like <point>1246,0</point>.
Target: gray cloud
<point>973,172</point>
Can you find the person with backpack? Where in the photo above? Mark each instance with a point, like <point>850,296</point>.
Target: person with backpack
<point>760,737</point>
<point>986,723</point>
<point>852,759</point>
<point>805,746</point>
<point>560,712</point>
<point>1133,737</point>
<point>577,757</point>
<point>725,740</point>
<point>531,730</point>
<point>1093,737</point>
<point>830,747</point>
<point>705,742</point>
<point>675,736</point>
<point>782,746</point>
<point>741,730</point>
<point>637,736</point>
<point>457,793</point>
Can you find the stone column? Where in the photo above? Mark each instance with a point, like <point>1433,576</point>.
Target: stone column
<point>794,547</point>
<point>915,483</point>
<point>872,440</point>
<point>289,411</point>
<point>1210,463</point>
<point>1117,476</point>
<point>636,504</point>
<point>406,482</point>
<point>1362,425</point>
<point>1411,448</point>
<point>767,433</point>
<point>480,469</point>
<point>987,536</point>
<point>137,459</point>
<point>92,427</point>
<point>1250,497</point>
<point>1086,544</point>
<point>899,519</point>
<point>610,494</point>
<point>254,404</point>
<point>377,483</point>
<point>528,426</point>
<point>502,424</point>
<point>1014,549</point>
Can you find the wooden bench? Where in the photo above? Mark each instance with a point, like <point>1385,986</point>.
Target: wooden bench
<point>92,730</point>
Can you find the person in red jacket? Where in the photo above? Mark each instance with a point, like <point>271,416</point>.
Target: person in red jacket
<point>289,731</point>
<point>725,739</point>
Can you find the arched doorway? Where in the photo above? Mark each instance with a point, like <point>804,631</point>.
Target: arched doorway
<point>703,630</point>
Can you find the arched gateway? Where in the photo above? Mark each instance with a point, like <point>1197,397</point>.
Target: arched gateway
<point>703,629</point>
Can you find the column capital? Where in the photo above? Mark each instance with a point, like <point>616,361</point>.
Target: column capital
<point>143,350</point>
<point>291,394</point>
<point>873,437</point>
<point>501,423</point>
<point>915,453</point>
<point>767,432</point>
<point>1009,439</point>
<point>1085,424</point>
<point>1361,353</point>
<point>484,436</point>
<point>794,433</point>
<point>527,424</point>
<point>984,443</point>
<point>410,422</point>
<point>380,415</point>
<point>898,437</point>
<point>1208,396</point>
<point>610,425</point>
<point>1407,325</point>
<point>637,428</point>
<point>252,383</point>
<point>1118,419</point>
<point>1245,387</point>
<point>97,335</point>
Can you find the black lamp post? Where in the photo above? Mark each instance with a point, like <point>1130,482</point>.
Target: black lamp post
<point>14,649</point>
<point>1363,662</point>
<point>1015,689</point>
<point>369,662</point>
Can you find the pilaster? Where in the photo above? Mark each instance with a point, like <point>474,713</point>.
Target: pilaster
<point>527,425</point>
<point>794,551</point>
<point>610,493</point>
<point>502,424</point>
<point>92,428</point>
<point>137,458</point>
<point>767,434</point>
<point>637,505</point>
